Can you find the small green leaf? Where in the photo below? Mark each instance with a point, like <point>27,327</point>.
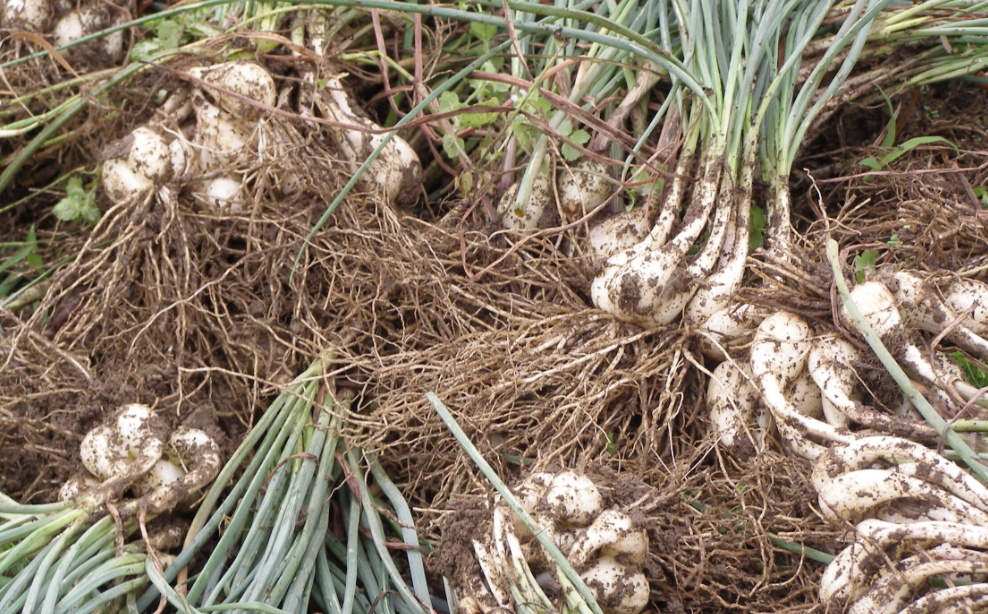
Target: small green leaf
<point>896,153</point>
<point>464,182</point>
<point>478,120</point>
<point>569,152</point>
<point>565,127</point>
<point>580,137</point>
<point>756,228</point>
<point>873,163</point>
<point>201,29</point>
<point>894,240</point>
<point>914,143</point>
<point>449,101</point>
<point>981,194</point>
<point>452,145</point>
<point>483,31</point>
<point>144,49</point>
<point>78,205</point>
<point>975,372</point>
<point>169,34</point>
<point>523,134</point>
<point>538,106</point>
<point>483,87</point>
<point>864,264</point>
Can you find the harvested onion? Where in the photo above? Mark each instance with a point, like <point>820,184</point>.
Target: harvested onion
<point>89,19</point>
<point>146,160</point>
<point>30,15</point>
<point>247,79</point>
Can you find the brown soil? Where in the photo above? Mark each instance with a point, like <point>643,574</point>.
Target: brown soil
<point>191,311</point>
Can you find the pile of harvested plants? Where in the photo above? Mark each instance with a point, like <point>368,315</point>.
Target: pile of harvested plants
<point>585,240</point>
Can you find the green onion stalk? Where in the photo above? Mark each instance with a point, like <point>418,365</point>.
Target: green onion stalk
<point>936,41</point>
<point>792,107</point>
<point>267,520</point>
<point>760,96</point>
<point>664,269</point>
<point>54,559</point>
<point>601,70</point>
<point>944,40</point>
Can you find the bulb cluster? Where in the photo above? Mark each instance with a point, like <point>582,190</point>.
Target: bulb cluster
<point>230,130</point>
<point>130,451</point>
<point>608,547</point>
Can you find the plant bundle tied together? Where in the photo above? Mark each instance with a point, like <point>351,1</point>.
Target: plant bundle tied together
<point>747,105</point>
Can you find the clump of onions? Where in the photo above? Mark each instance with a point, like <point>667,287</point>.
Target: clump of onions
<point>129,451</point>
<point>918,516</point>
<point>608,546</point>
<point>778,357</point>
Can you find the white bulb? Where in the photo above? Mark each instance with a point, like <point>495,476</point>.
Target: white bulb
<point>573,499</point>
<point>103,453</point>
<point>244,78</point>
<point>618,589</point>
<point>147,161</point>
<point>32,15</point>
<point>223,194</point>
<point>132,424</point>
<point>163,473</point>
